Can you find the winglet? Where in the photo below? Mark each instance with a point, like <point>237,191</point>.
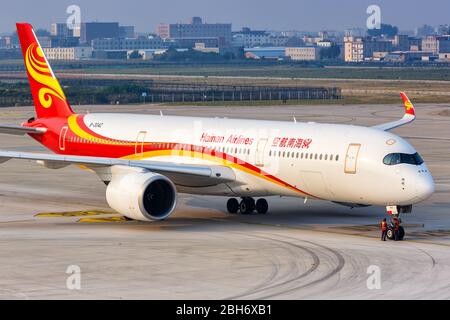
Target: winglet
<point>409,107</point>
<point>408,117</point>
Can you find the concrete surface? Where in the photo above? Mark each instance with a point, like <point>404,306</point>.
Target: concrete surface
<point>315,250</point>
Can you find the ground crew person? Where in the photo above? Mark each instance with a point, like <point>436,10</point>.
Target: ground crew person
<point>396,228</point>
<point>384,228</point>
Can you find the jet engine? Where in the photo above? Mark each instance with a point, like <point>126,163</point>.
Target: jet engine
<point>142,195</point>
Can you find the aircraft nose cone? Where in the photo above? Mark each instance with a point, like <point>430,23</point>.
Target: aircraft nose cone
<point>425,187</point>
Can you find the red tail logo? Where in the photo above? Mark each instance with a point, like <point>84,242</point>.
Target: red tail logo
<point>49,99</point>
<point>409,107</point>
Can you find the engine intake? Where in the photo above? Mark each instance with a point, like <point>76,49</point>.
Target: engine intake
<point>142,195</point>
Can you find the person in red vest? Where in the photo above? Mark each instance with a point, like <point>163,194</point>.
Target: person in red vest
<point>384,228</point>
<point>396,228</point>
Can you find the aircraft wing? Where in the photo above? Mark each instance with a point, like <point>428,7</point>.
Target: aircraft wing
<point>20,130</point>
<point>182,174</point>
<point>409,116</point>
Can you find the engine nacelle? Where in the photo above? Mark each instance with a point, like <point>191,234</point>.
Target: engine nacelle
<point>142,195</point>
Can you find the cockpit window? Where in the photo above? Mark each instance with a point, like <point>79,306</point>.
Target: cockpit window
<point>397,158</point>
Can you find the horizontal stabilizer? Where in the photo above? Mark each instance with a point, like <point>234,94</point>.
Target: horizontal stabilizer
<point>20,130</point>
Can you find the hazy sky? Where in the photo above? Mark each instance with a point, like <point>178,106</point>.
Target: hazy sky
<point>259,14</point>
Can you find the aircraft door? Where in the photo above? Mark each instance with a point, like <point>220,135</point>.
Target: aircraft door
<point>62,138</point>
<point>260,151</point>
<point>139,147</point>
<point>351,158</point>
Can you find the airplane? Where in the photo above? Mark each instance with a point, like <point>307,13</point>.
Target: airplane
<point>147,160</point>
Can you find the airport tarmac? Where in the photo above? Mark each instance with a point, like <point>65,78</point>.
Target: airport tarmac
<point>316,250</point>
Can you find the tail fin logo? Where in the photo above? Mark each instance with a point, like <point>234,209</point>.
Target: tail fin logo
<point>39,70</point>
<point>409,107</point>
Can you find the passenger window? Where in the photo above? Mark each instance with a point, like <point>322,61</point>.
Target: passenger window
<point>337,157</point>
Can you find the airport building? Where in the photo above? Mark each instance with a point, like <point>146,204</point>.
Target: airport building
<point>401,42</point>
<point>406,43</point>
<point>75,53</point>
<point>406,56</point>
<point>436,44</point>
<point>98,30</point>
<point>61,30</point>
<point>256,38</point>
<point>307,53</point>
<point>145,54</point>
<point>128,44</point>
<point>45,42</point>
<point>353,49</point>
<point>250,38</point>
<point>202,48</point>
<point>267,53</point>
<point>192,42</point>
<point>444,57</point>
<point>278,41</point>
<point>372,45</point>
<point>196,29</point>
<point>325,43</point>
<point>357,49</point>
<point>5,42</point>
<point>126,32</point>
<point>110,54</point>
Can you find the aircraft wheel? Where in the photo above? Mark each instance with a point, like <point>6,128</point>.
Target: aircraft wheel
<point>262,206</point>
<point>247,205</point>
<point>232,205</point>
<point>390,234</point>
<point>401,233</point>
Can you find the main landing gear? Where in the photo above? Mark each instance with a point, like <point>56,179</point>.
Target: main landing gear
<point>247,205</point>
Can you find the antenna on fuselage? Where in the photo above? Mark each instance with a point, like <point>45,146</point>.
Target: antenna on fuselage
<point>295,119</point>
<point>160,112</point>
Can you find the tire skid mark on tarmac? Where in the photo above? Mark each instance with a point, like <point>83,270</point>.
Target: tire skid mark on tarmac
<point>275,270</point>
<point>433,260</point>
<point>336,270</point>
<point>280,285</point>
<point>331,273</point>
<point>268,285</point>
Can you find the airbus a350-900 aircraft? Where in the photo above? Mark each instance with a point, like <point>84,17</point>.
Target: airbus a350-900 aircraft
<point>145,160</point>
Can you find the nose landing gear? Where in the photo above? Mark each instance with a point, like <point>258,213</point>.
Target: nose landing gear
<point>247,205</point>
<point>391,233</point>
<point>395,231</point>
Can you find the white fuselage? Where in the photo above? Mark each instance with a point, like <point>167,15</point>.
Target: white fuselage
<point>342,163</point>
